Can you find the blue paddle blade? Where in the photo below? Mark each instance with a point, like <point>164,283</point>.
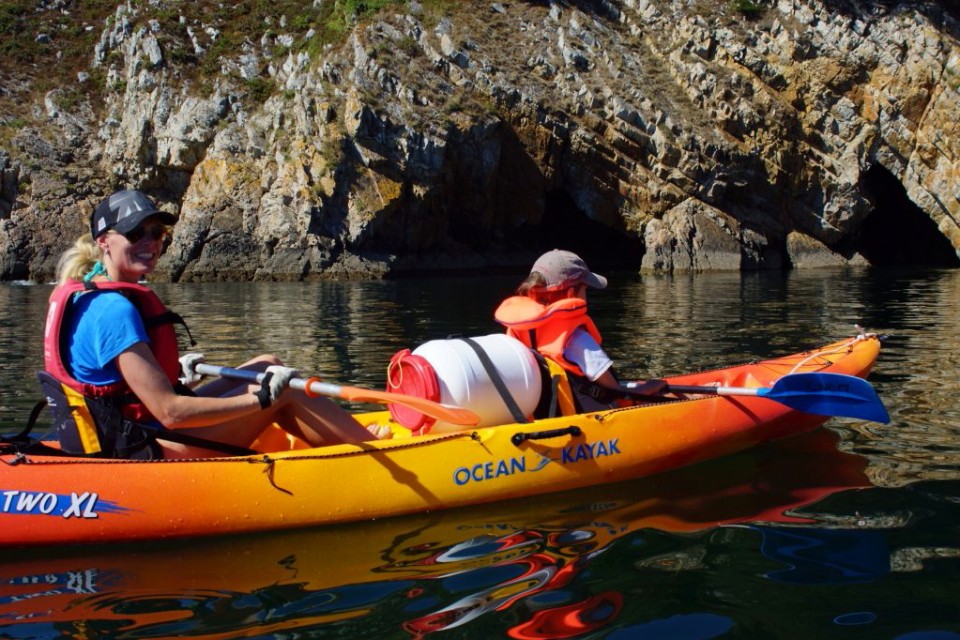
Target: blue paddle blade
<point>830,394</point>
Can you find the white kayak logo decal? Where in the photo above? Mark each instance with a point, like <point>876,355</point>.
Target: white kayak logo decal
<point>72,505</point>
<point>514,465</point>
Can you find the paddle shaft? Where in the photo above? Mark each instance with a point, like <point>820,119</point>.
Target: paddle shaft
<point>453,415</point>
<point>633,387</point>
<point>717,391</point>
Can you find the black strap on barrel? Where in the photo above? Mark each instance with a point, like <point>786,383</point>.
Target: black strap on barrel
<point>497,380</point>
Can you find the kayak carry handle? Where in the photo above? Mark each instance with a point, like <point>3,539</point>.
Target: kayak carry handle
<point>519,438</point>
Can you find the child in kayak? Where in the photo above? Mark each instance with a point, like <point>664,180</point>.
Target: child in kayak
<point>549,314</point>
<point>113,369</point>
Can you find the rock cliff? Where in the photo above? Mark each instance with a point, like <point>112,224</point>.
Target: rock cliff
<point>661,135</point>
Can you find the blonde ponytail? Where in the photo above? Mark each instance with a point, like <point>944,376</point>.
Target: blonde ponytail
<point>78,260</point>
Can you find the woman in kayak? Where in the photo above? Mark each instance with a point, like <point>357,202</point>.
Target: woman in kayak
<point>112,368</point>
<point>549,314</point>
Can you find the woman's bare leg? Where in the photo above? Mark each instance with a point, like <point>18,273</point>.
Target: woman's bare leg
<point>320,421</point>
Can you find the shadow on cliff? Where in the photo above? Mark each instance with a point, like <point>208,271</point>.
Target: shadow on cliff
<point>933,11</point>
<point>498,201</point>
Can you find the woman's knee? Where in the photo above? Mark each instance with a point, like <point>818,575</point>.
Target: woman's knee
<point>261,362</point>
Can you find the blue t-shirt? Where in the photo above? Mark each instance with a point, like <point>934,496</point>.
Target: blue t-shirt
<point>99,327</point>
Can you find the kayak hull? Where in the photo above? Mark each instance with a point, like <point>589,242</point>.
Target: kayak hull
<point>57,500</point>
<point>549,538</point>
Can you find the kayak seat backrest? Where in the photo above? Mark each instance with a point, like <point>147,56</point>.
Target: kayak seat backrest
<point>556,395</point>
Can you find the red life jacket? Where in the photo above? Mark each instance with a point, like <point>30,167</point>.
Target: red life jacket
<point>546,328</point>
<point>87,413</point>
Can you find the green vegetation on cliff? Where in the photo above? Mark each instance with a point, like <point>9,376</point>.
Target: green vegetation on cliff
<point>47,47</point>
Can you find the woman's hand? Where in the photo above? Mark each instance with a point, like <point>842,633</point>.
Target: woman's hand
<point>188,368</point>
<point>275,381</point>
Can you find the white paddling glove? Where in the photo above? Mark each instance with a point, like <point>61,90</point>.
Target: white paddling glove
<point>275,380</point>
<point>188,368</point>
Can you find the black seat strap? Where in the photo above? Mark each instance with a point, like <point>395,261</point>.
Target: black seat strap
<point>497,381</point>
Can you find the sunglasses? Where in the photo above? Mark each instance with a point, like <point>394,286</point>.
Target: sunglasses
<point>155,231</point>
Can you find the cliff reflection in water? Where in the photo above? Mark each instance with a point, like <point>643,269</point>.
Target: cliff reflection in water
<point>525,569</point>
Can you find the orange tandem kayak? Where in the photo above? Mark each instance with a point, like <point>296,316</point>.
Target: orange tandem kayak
<point>543,542</point>
<point>53,500</point>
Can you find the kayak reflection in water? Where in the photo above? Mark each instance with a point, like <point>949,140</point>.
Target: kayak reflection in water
<point>111,354</point>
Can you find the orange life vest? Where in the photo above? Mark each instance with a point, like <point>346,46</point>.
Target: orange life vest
<point>546,328</point>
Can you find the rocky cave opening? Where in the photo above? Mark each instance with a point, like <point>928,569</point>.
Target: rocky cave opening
<point>897,232</point>
<point>565,226</point>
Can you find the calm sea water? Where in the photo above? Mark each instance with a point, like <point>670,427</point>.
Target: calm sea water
<point>853,530</point>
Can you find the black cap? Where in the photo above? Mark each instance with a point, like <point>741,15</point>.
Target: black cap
<point>124,211</point>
